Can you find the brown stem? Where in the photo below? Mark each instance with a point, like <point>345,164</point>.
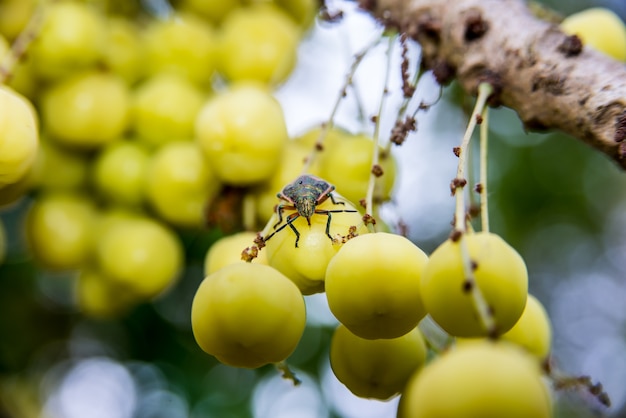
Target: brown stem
<point>541,73</point>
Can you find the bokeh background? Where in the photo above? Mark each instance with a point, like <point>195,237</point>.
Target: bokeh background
<point>559,203</point>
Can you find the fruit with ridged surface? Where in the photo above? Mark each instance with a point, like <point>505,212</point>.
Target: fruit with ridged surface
<point>248,315</point>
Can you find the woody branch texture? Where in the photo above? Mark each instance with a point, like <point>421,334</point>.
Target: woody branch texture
<point>547,77</point>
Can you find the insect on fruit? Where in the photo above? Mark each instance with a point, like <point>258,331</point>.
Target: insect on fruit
<point>303,195</point>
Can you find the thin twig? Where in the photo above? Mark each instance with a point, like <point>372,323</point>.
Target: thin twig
<point>460,221</point>
<point>376,170</point>
<point>484,140</point>
<point>23,41</point>
<point>328,125</point>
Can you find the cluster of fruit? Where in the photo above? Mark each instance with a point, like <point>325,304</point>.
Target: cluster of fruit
<point>145,118</point>
<point>301,252</point>
<point>380,286</point>
<point>123,126</point>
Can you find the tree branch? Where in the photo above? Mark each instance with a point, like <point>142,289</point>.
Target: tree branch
<point>544,75</point>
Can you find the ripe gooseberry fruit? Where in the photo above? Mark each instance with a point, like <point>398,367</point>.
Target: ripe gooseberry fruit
<point>59,228</point>
<point>242,132</point>
<point>123,54</point>
<point>347,163</point>
<point>476,380</point>
<point>215,11</point>
<point>258,43</point>
<point>86,110</point>
<point>227,250</point>
<point>182,44</point>
<point>499,272</point>
<point>140,254</point>
<point>248,315</point>
<point>72,37</point>
<point>373,285</point>
<point>14,16</point>
<point>59,168</point>
<point>19,138</point>
<point>377,369</point>
<point>165,108</point>
<point>179,183</point>
<point>119,172</point>
<point>599,28</point>
<point>533,330</point>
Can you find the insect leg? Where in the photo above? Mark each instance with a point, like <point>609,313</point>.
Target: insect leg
<point>289,223</point>
<point>267,238</point>
<point>332,199</point>
<point>295,231</point>
<point>328,213</point>
<point>328,226</point>
<point>279,210</point>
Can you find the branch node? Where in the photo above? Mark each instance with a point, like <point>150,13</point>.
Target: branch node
<point>571,46</point>
<point>495,80</point>
<point>443,72</point>
<point>620,128</point>
<point>475,26</point>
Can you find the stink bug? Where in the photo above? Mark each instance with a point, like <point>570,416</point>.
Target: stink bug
<point>303,195</point>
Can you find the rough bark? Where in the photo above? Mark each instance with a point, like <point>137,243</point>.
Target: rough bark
<point>544,75</point>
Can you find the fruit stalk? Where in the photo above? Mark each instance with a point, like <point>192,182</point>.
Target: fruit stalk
<point>22,42</point>
<point>460,219</point>
<point>328,125</point>
<point>376,170</point>
<point>484,140</point>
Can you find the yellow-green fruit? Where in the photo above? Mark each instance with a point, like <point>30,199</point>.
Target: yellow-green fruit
<point>123,54</point>
<point>165,108</point>
<point>14,16</point>
<point>87,110</point>
<point>140,254</point>
<point>23,79</point>
<point>377,369</point>
<point>72,37</point>
<point>302,11</point>
<point>59,229</point>
<point>373,285</point>
<point>180,184</point>
<point>327,138</point>
<point>214,10</point>
<point>533,330</point>
<point>499,272</point>
<point>347,163</point>
<point>5,47</point>
<point>19,138</point>
<point>306,264</point>
<point>227,250</point>
<point>258,43</point>
<point>478,379</point>
<point>248,315</point>
<point>242,132</point>
<point>599,28</point>
<point>58,168</point>
<point>98,296</point>
<point>120,172</point>
<point>182,44</point>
